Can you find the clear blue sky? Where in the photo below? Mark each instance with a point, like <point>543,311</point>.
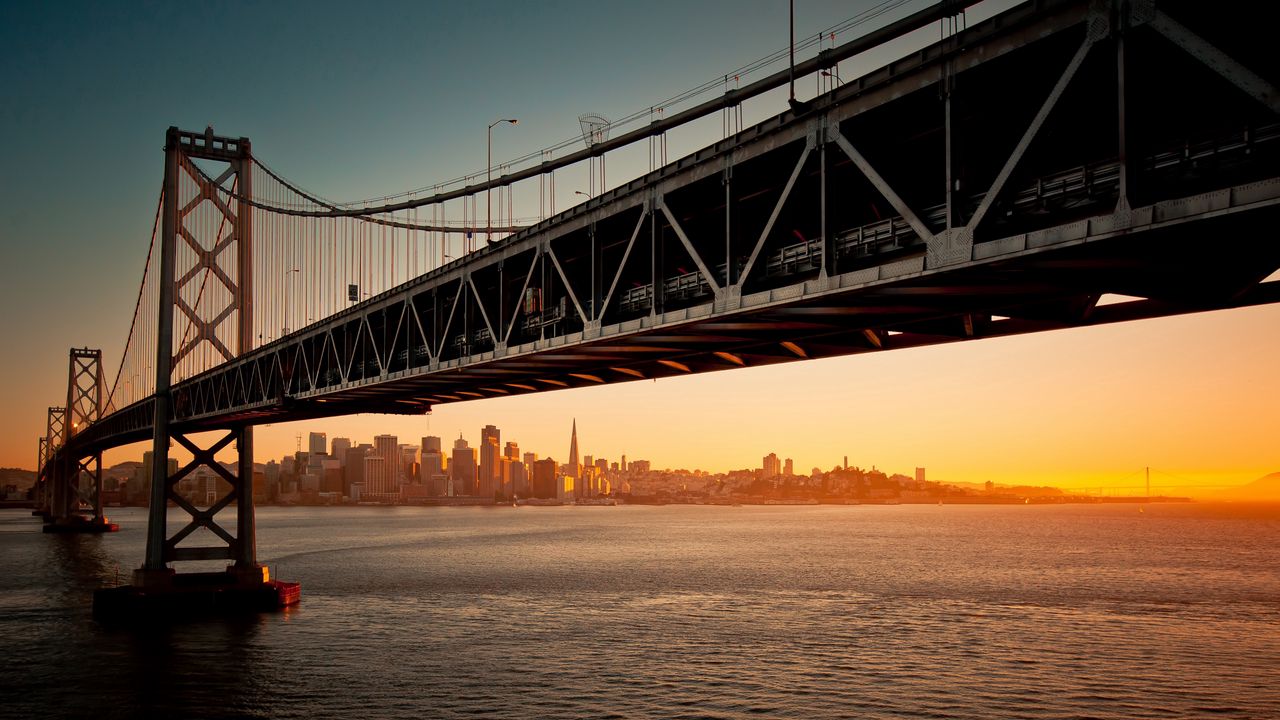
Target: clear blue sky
<point>360,99</point>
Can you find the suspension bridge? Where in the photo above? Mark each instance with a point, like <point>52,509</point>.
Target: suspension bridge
<point>1004,179</point>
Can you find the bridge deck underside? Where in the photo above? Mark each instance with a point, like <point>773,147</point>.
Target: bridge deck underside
<point>999,182</point>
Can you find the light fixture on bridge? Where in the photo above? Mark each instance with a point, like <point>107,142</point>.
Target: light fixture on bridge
<point>730,357</point>
<point>794,349</point>
<point>676,365</point>
<point>557,383</point>
<point>628,371</point>
<point>585,376</point>
<point>520,386</point>
<point>488,191</point>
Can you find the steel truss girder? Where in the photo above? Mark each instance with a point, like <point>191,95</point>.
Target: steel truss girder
<point>293,374</point>
<point>1252,84</point>
<point>829,319</point>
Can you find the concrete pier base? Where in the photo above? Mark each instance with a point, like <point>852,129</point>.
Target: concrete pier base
<point>80,524</point>
<point>166,594</point>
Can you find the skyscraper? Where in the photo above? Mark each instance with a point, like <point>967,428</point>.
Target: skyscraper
<point>772,466</point>
<point>462,468</point>
<point>517,473</point>
<point>574,466</point>
<point>377,478</point>
<point>339,447</point>
<point>490,476</point>
<point>318,444</point>
<point>353,470</point>
<point>387,447</point>
<point>544,478</point>
<point>431,469</point>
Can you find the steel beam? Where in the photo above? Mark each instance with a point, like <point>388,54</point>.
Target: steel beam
<point>1252,84</point>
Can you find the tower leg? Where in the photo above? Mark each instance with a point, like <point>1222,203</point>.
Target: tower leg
<point>98,516</point>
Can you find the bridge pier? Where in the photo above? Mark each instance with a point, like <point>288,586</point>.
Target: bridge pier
<point>244,585</point>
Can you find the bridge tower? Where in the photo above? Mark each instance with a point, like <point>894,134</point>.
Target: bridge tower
<point>223,258</point>
<point>77,472</point>
<point>49,477</point>
<point>38,494</point>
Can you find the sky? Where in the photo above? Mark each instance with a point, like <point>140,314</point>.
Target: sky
<point>360,100</point>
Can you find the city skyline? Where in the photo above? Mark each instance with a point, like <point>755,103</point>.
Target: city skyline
<point>387,449</point>
<point>1067,408</point>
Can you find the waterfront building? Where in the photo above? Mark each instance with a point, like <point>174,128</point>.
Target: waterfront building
<point>317,445</point>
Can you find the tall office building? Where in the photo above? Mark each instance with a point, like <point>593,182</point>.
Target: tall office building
<point>339,447</point>
<point>408,464</point>
<point>431,467</point>
<point>318,444</point>
<point>462,468</point>
<point>377,478</point>
<point>353,469</point>
<point>788,468</point>
<point>544,478</point>
<point>516,478</point>
<point>772,466</point>
<point>490,476</point>
<point>387,447</point>
<point>920,476</point>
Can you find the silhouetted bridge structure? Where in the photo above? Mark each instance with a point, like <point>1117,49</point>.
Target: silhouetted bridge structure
<point>999,181</point>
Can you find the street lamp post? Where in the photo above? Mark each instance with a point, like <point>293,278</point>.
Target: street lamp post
<point>585,195</point>
<point>488,205</point>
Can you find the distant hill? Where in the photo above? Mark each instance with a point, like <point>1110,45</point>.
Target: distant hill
<point>1020,490</point>
<point>1266,487</point>
<point>16,476</point>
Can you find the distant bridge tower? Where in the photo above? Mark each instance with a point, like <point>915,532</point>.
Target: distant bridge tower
<point>54,437</point>
<point>78,473</point>
<point>196,253</point>
<point>40,491</point>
